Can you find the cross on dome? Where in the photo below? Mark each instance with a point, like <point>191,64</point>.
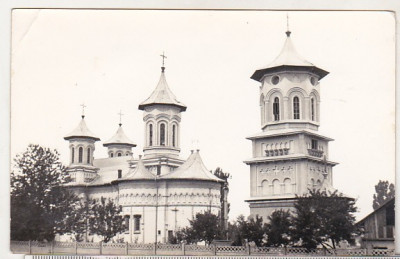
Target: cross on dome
<point>83,110</point>
<point>120,117</point>
<point>163,60</point>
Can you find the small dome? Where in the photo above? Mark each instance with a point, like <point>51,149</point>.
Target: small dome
<point>139,173</point>
<point>81,131</point>
<point>119,139</point>
<point>289,59</point>
<point>162,95</point>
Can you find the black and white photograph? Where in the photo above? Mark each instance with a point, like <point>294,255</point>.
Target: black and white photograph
<point>202,132</point>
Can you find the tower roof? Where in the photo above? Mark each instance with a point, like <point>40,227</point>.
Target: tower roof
<point>139,173</point>
<point>81,131</point>
<point>119,138</point>
<point>162,95</point>
<point>289,59</point>
<point>193,168</point>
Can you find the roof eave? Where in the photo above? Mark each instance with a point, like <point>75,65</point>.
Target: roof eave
<point>143,106</point>
<point>82,137</point>
<point>121,144</point>
<point>259,74</point>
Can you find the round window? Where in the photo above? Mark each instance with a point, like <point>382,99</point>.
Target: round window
<point>313,80</point>
<point>275,80</point>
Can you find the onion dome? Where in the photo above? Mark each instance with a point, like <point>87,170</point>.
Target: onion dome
<point>81,131</point>
<point>162,95</point>
<point>139,173</point>
<point>119,139</point>
<point>289,60</point>
<point>193,169</point>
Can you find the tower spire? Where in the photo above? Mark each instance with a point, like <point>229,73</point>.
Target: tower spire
<point>288,32</point>
<point>120,117</point>
<point>163,60</point>
<point>83,110</point>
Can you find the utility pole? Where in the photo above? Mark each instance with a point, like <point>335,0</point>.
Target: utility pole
<point>156,231</point>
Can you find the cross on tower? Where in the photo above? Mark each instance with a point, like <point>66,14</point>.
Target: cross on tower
<point>120,117</point>
<point>83,110</point>
<point>163,60</point>
<point>287,25</point>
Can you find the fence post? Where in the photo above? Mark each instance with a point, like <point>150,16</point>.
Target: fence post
<point>126,247</point>
<point>76,247</point>
<point>52,247</point>
<point>183,248</point>
<point>248,249</point>
<point>101,247</point>
<point>155,248</point>
<point>285,250</point>
<point>215,249</point>
<point>30,247</point>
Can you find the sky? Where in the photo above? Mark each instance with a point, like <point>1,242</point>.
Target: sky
<point>110,61</point>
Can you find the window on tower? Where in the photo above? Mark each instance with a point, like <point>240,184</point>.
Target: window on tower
<point>80,155</point>
<point>162,134</point>
<point>275,109</point>
<point>72,155</point>
<point>314,144</point>
<point>296,108</point>
<point>312,109</point>
<point>173,135</point>
<point>150,134</point>
<point>136,223</point>
<point>88,155</point>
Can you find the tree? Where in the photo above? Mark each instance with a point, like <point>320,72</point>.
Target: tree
<point>105,219</point>
<point>204,227</point>
<point>225,206</point>
<point>77,220</point>
<point>278,228</point>
<point>384,191</point>
<point>323,219</point>
<point>39,201</point>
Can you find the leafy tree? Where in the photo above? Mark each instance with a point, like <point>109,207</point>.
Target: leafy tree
<point>105,219</point>
<point>323,219</point>
<point>250,230</point>
<point>77,220</point>
<point>278,229</point>
<point>39,201</point>
<point>204,227</point>
<point>384,191</point>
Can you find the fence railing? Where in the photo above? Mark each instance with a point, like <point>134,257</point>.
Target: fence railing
<point>100,248</point>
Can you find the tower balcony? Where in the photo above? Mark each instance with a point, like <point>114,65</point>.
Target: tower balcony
<point>315,152</point>
<point>277,152</point>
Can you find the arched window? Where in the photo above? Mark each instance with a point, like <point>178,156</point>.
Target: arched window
<point>276,186</point>
<point>150,134</point>
<point>162,134</point>
<point>111,154</point>
<point>88,155</point>
<point>173,135</point>
<point>296,108</point>
<point>288,185</point>
<point>265,187</point>
<point>275,109</point>
<point>72,155</point>
<point>80,155</point>
<point>119,154</point>
<point>312,109</point>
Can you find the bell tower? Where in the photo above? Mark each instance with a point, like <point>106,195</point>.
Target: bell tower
<point>162,117</point>
<point>289,155</point>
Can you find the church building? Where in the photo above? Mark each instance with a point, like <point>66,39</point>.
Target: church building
<point>159,192</point>
<point>289,155</point>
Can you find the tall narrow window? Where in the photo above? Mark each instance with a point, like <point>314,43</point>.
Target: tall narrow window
<point>150,134</point>
<point>312,109</point>
<point>72,155</point>
<point>80,155</point>
<point>173,135</point>
<point>275,109</point>
<point>136,223</point>
<point>296,108</point>
<point>119,154</point>
<point>162,134</point>
<point>88,155</point>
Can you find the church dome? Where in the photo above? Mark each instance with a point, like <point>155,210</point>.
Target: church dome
<point>119,138</point>
<point>162,95</point>
<point>139,173</point>
<point>289,60</point>
<point>82,131</point>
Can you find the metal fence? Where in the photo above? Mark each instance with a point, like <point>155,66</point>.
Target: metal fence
<point>100,248</point>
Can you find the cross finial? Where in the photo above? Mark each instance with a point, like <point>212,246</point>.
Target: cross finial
<point>120,117</point>
<point>163,61</point>
<point>83,110</point>
<point>287,25</point>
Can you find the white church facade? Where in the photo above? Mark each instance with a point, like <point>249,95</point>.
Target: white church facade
<point>159,192</point>
<point>289,155</point>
